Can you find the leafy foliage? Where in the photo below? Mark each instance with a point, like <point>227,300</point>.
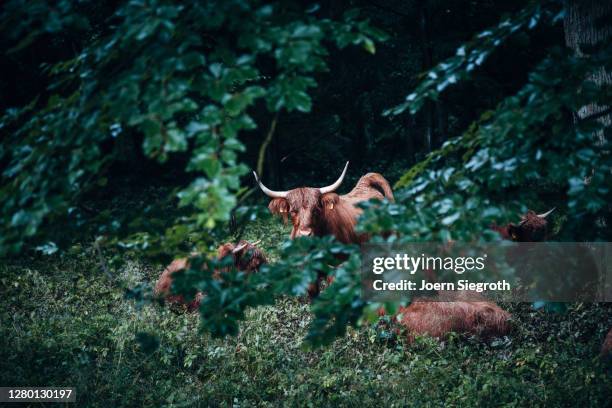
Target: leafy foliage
<point>503,165</point>
<point>184,76</point>
<point>191,81</point>
<point>529,144</point>
<point>472,55</point>
<point>62,323</point>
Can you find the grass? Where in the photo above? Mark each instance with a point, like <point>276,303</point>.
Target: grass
<point>64,323</point>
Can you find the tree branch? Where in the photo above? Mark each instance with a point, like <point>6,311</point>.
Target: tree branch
<point>264,145</point>
<point>596,115</point>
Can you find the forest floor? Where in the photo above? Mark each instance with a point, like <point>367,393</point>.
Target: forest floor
<point>64,323</point>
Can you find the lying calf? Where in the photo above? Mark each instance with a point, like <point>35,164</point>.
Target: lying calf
<point>456,313</point>
<point>246,257</point>
<point>452,312</point>
<point>468,312</point>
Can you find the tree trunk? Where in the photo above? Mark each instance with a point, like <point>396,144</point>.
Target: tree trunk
<point>584,27</point>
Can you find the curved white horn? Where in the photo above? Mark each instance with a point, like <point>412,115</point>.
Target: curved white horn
<point>333,187</point>
<point>268,192</point>
<point>547,213</point>
<point>239,248</point>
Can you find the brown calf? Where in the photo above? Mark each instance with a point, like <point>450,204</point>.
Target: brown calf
<point>246,257</point>
<point>463,312</point>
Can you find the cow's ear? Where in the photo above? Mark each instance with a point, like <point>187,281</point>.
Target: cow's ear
<point>225,250</point>
<point>279,206</point>
<point>329,201</point>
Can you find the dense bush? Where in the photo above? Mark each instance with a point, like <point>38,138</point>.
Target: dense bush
<point>62,324</point>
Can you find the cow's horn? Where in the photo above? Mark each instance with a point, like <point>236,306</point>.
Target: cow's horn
<point>239,247</point>
<point>333,187</point>
<point>268,192</point>
<point>547,213</point>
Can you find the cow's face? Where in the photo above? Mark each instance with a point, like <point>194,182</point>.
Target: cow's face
<point>246,256</point>
<point>306,206</point>
<point>532,228</point>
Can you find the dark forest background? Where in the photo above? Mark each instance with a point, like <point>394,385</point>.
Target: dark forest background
<point>346,121</point>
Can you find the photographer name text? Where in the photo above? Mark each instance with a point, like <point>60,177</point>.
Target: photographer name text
<point>464,284</point>
<point>412,264</point>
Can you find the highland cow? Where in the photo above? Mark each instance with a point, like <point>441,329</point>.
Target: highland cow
<point>532,228</point>
<point>246,257</point>
<point>320,211</point>
<point>468,312</point>
<point>453,312</point>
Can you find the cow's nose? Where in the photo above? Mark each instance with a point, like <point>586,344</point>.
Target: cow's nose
<point>305,232</point>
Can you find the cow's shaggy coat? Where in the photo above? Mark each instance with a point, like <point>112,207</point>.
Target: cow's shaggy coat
<point>531,228</point>
<point>246,257</point>
<point>453,313</point>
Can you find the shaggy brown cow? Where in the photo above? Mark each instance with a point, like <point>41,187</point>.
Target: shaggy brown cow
<point>468,312</point>
<point>462,312</point>
<point>532,228</point>
<point>246,257</point>
<point>320,211</point>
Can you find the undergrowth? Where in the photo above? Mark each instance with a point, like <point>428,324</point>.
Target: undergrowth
<point>65,323</point>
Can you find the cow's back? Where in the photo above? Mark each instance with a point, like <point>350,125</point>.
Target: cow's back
<point>439,318</point>
<point>372,185</point>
